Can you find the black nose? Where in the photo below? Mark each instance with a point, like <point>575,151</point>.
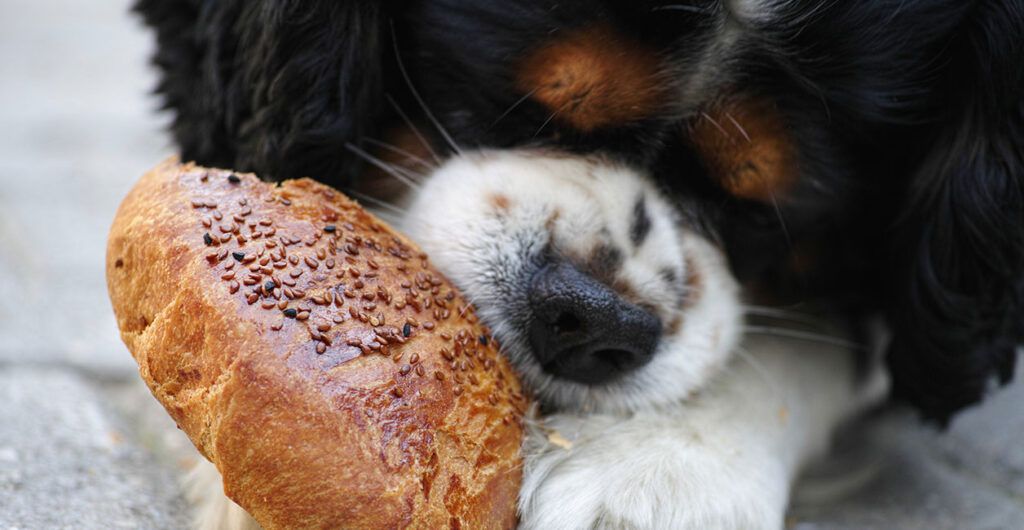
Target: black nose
<point>584,331</point>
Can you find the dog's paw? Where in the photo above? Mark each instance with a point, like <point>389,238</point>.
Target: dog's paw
<point>639,476</point>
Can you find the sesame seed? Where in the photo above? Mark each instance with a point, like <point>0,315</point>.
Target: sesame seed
<point>321,347</point>
<point>232,178</point>
<point>405,369</point>
<point>406,330</point>
<point>483,340</point>
<point>304,315</point>
<point>238,255</point>
<point>207,239</point>
<point>290,312</point>
<point>330,229</point>
<point>419,370</point>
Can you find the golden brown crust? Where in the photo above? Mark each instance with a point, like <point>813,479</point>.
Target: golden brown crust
<point>331,416</point>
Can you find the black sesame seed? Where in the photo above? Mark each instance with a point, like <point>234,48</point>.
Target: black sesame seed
<point>207,239</point>
<point>483,340</point>
<point>290,312</point>
<point>269,286</point>
<point>234,179</point>
<point>330,229</point>
<point>238,255</point>
<point>406,330</point>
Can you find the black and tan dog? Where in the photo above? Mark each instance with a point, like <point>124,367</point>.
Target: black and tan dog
<point>626,181</point>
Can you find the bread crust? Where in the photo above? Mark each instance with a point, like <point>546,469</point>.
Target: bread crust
<point>379,403</point>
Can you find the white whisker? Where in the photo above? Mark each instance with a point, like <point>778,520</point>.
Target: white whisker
<point>781,314</point>
<point>384,166</point>
<point>416,94</point>
<point>803,335</point>
<point>514,105</point>
<point>782,221</point>
<point>551,117</point>
<point>375,201</point>
<point>419,135</point>
<point>716,124</point>
<point>681,7</point>
<point>400,151</point>
<point>738,127</point>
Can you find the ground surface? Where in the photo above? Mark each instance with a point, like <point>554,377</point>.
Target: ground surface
<point>83,445</point>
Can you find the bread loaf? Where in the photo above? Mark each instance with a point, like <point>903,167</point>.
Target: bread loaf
<point>313,355</point>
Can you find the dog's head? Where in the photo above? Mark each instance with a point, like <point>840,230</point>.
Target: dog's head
<point>609,180</point>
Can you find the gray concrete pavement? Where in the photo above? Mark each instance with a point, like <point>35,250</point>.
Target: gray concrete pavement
<point>83,445</point>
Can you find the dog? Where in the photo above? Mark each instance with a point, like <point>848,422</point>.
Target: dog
<point>705,232</point>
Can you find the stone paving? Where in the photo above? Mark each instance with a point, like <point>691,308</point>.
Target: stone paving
<point>83,445</point>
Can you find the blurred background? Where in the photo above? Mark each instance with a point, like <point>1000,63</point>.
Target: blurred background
<point>84,445</point>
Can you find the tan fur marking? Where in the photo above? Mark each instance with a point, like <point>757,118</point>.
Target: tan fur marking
<point>694,284</point>
<point>595,77</point>
<point>675,325</point>
<point>746,147</point>
<point>499,202</point>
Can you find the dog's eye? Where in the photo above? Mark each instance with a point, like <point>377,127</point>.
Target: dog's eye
<point>746,148</point>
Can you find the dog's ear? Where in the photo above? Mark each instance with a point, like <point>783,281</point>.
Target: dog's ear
<point>957,312</point>
<point>272,86</point>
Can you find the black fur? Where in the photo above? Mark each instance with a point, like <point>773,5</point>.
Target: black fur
<point>958,313</point>
<point>907,116</point>
<point>273,87</point>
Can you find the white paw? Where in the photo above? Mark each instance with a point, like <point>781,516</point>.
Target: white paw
<point>638,474</point>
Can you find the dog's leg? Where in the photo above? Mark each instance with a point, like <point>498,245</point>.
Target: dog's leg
<point>724,459</point>
<point>213,510</point>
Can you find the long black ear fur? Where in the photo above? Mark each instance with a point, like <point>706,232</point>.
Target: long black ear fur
<point>272,86</point>
<point>958,309</point>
